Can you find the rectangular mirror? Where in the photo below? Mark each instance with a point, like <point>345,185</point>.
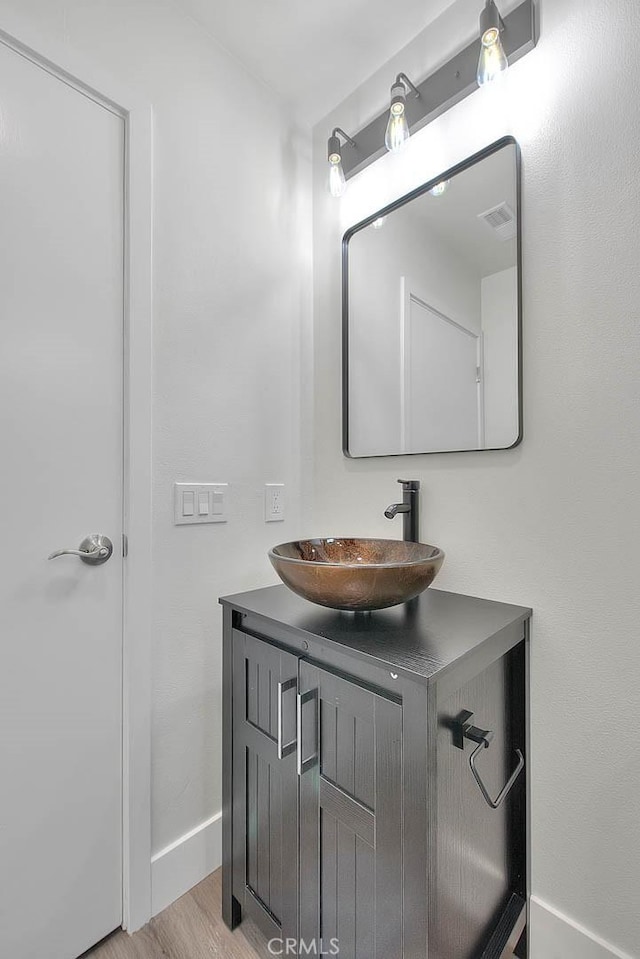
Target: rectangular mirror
<point>432,315</point>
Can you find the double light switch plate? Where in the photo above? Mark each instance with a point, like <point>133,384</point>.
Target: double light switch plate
<point>200,503</point>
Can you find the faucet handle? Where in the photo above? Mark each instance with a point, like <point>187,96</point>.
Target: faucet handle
<point>410,485</point>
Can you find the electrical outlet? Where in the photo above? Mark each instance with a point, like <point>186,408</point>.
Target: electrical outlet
<point>274,503</point>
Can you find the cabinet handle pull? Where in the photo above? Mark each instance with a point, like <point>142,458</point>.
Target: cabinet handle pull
<point>464,729</point>
<point>284,749</point>
<point>305,764</point>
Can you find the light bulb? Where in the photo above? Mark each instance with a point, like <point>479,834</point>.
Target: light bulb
<point>493,62</point>
<point>397,130</point>
<point>337,181</point>
<point>439,188</point>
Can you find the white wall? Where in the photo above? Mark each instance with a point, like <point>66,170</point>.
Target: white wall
<point>378,259</point>
<point>555,523</point>
<point>232,260</point>
<point>499,297</point>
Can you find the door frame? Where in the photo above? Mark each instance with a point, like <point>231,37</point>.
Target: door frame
<point>25,37</point>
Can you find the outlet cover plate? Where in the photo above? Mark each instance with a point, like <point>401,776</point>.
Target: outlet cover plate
<point>274,503</point>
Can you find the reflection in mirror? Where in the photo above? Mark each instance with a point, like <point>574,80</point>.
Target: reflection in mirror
<point>432,318</point>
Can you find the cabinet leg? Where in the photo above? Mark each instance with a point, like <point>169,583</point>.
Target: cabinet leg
<point>231,912</point>
<point>521,949</point>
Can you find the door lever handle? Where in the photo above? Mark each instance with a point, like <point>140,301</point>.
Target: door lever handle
<point>93,550</point>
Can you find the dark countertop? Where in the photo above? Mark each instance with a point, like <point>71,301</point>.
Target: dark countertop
<point>421,638</point>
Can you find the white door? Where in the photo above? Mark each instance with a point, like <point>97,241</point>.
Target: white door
<point>441,396</point>
<point>61,412</point>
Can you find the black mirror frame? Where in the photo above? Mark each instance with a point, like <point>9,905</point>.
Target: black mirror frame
<point>418,192</point>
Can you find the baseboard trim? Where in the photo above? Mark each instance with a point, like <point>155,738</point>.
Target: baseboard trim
<point>554,936</point>
<point>191,858</point>
<point>186,862</point>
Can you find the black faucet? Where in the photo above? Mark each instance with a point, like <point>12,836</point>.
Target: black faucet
<point>410,509</point>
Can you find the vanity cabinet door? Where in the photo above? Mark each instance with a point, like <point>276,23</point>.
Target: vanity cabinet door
<point>265,785</point>
<point>350,766</point>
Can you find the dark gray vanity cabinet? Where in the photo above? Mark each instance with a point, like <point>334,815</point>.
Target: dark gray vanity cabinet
<point>350,810</point>
<point>265,853</point>
<point>350,816</point>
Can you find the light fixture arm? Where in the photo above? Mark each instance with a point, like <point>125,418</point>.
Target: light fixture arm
<point>411,89</point>
<point>337,132</point>
<point>490,18</point>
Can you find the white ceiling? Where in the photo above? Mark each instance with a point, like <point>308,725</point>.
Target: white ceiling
<point>453,217</point>
<point>314,54</point>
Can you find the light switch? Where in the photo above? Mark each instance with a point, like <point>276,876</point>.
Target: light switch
<point>199,503</point>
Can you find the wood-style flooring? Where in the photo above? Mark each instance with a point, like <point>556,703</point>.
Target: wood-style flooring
<point>191,928</point>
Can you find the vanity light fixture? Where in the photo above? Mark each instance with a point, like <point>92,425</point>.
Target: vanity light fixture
<point>337,181</point>
<point>504,40</point>
<point>397,132</point>
<point>493,63</point>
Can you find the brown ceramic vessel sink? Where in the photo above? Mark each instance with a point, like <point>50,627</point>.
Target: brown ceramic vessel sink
<point>356,574</point>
